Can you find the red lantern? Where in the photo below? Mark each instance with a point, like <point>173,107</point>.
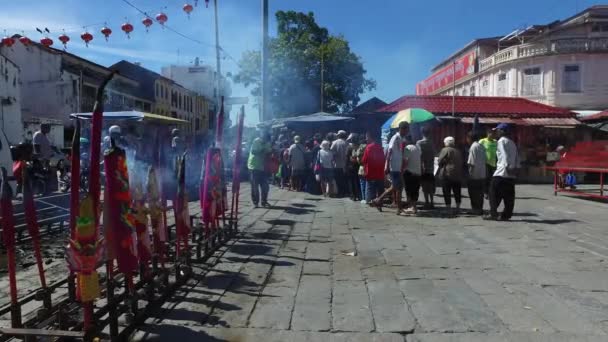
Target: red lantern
<point>106,31</point>
<point>8,41</point>
<point>25,41</point>
<point>46,41</point>
<point>87,37</point>
<point>128,28</point>
<point>188,9</point>
<point>147,22</point>
<point>161,18</point>
<point>64,39</point>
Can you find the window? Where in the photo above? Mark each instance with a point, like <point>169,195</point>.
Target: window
<point>485,85</point>
<point>532,82</point>
<point>501,85</point>
<point>599,27</point>
<point>472,91</point>
<point>156,90</point>
<point>571,79</point>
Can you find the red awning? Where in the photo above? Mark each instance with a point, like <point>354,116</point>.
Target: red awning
<point>525,121</point>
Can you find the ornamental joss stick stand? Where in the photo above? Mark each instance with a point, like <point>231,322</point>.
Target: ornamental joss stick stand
<point>74,195</point>
<point>34,231</point>
<point>236,172</point>
<point>95,193</point>
<point>8,238</point>
<point>156,209</point>
<point>144,245</point>
<point>182,219</point>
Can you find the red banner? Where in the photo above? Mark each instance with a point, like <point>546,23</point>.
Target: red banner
<point>463,67</point>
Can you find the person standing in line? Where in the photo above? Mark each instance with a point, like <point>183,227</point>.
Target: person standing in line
<point>327,164</point>
<point>489,143</point>
<point>427,179</point>
<point>411,175</point>
<point>340,148</point>
<point>352,167</point>
<point>394,166</point>
<point>372,162</point>
<point>450,172</point>
<point>477,172</point>
<point>361,171</point>
<point>297,163</point>
<point>42,144</point>
<point>260,149</point>
<point>502,187</point>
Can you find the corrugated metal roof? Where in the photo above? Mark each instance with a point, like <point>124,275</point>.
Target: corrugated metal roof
<point>595,117</point>
<point>548,122</point>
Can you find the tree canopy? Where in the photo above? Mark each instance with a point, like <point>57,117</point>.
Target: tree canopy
<point>296,57</point>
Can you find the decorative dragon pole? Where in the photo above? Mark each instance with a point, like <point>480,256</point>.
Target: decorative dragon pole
<point>84,254</point>
<point>182,220</point>
<point>34,231</point>
<point>8,238</point>
<point>120,224</point>
<point>94,188</point>
<point>75,180</point>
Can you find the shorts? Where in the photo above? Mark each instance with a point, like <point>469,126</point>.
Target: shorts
<point>327,175</point>
<point>412,185</point>
<point>396,179</point>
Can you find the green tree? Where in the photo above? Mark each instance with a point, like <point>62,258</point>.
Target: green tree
<point>297,55</point>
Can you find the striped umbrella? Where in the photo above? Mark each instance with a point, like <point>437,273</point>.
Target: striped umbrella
<point>411,116</point>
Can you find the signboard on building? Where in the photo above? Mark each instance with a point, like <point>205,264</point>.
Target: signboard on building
<point>462,67</point>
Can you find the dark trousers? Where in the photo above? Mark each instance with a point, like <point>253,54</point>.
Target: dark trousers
<point>341,183</point>
<point>476,187</point>
<point>489,175</point>
<point>354,185</point>
<point>259,182</point>
<point>502,189</point>
<point>373,189</point>
<point>454,187</point>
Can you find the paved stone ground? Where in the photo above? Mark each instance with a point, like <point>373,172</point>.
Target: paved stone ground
<point>541,277</point>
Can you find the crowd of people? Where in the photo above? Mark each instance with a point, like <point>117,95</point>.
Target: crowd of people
<point>359,167</point>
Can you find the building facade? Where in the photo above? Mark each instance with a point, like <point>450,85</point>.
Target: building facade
<point>10,101</point>
<point>168,97</point>
<point>55,84</point>
<point>201,79</point>
<point>563,64</point>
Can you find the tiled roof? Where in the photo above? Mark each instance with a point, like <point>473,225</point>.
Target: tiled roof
<point>369,106</point>
<point>595,117</point>
<point>515,107</point>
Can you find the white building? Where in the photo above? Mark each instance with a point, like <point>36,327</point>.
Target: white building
<point>564,64</point>
<point>198,78</point>
<point>55,83</point>
<point>10,101</point>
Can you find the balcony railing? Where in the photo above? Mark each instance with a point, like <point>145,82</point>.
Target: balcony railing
<point>559,46</point>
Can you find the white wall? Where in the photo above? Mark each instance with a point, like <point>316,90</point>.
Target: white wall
<point>594,80</point>
<point>10,113</point>
<point>46,91</point>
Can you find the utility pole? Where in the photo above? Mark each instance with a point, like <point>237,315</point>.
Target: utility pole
<point>218,73</point>
<point>264,85</point>
<point>453,88</point>
<point>322,79</point>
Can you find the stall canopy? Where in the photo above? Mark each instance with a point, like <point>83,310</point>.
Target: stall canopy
<point>320,117</point>
<point>131,115</point>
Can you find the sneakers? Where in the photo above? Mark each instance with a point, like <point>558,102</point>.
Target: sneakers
<point>266,205</point>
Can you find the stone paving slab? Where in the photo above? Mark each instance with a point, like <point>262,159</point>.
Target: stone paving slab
<point>314,269</point>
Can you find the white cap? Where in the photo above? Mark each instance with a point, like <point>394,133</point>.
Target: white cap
<point>115,129</point>
<point>449,141</point>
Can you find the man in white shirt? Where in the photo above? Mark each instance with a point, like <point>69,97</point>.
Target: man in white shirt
<point>394,166</point>
<point>502,187</point>
<point>477,172</point>
<point>340,148</point>
<point>42,144</point>
<point>411,176</point>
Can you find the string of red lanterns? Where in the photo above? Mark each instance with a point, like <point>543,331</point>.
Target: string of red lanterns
<point>87,37</point>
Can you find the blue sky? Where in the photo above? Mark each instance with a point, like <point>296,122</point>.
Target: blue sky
<point>398,40</point>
